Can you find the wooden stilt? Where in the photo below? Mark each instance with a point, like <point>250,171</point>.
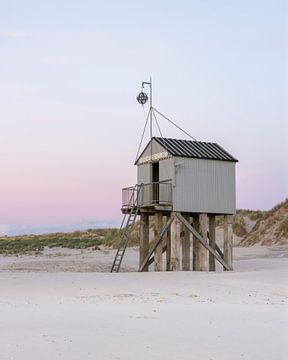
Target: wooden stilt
<point>144,238</point>
<point>173,234</point>
<point>200,254</point>
<point>185,245</point>
<point>167,241</point>
<point>175,245</point>
<point>212,236</point>
<point>228,239</point>
<point>158,224</point>
<point>191,243</point>
<point>196,243</point>
<point>203,253</point>
<point>217,254</point>
<point>156,242</point>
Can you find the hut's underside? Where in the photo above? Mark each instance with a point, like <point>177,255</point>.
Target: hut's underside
<point>189,241</point>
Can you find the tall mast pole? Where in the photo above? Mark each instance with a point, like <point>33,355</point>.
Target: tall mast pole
<point>142,100</point>
<point>151,118</point>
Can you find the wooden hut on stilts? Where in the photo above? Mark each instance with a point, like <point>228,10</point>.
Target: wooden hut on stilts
<point>182,187</point>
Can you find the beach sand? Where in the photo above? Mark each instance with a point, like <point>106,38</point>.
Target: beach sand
<point>62,305</point>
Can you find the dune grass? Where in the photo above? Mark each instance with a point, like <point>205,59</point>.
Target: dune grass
<point>94,238</point>
<point>75,240</point>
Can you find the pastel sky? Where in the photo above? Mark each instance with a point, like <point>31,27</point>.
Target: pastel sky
<point>70,124</point>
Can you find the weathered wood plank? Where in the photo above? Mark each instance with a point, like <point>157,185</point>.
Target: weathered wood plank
<point>175,245</point>
<point>228,240</point>
<point>202,251</point>
<point>167,241</point>
<point>158,224</point>
<point>144,238</point>
<point>196,243</point>
<point>217,248</point>
<point>219,251</point>
<point>185,245</point>
<point>151,260</point>
<point>212,235</point>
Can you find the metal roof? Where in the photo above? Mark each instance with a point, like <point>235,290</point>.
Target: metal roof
<point>195,149</point>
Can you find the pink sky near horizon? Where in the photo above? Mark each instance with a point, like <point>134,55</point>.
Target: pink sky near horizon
<point>45,193</point>
<point>70,123</point>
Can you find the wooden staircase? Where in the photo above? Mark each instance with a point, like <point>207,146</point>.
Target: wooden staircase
<point>126,228</point>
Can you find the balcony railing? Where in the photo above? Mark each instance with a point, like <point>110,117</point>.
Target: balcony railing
<point>157,193</point>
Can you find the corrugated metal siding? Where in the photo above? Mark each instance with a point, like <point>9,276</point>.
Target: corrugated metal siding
<point>167,169</point>
<point>166,172</point>
<point>204,186</point>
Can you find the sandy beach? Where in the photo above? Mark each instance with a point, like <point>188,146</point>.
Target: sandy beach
<point>63,305</point>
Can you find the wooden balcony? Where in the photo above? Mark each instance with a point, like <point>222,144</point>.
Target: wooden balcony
<point>147,197</point>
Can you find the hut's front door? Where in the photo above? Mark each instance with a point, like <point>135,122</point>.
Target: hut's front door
<point>155,181</point>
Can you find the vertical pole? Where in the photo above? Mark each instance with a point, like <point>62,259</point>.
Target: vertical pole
<point>203,252</point>
<point>167,239</point>
<point>196,243</point>
<point>175,245</point>
<point>191,243</point>
<point>151,135</point>
<point>185,245</point>
<point>158,224</point>
<point>144,238</point>
<point>200,254</point>
<point>212,236</point>
<point>228,239</point>
<point>151,118</point>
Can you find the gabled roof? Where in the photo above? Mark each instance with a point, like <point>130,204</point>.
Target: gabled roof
<point>193,149</point>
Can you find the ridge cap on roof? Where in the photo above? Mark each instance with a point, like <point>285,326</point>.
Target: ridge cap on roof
<point>188,140</point>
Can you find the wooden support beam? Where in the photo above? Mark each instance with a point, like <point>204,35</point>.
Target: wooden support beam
<point>164,248</point>
<point>196,243</point>
<point>175,245</point>
<point>156,242</point>
<point>203,253</point>
<point>200,254</point>
<point>144,239</point>
<point>212,241</point>
<point>201,239</point>
<point>167,241</point>
<point>185,245</point>
<point>219,251</point>
<point>228,240</point>
<point>158,224</point>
